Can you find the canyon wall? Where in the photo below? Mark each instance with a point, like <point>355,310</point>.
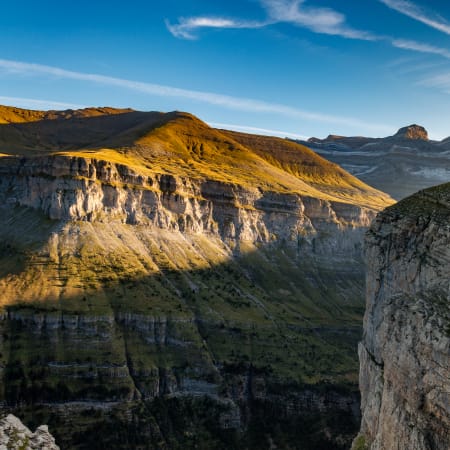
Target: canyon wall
<point>139,305</point>
<point>405,352</point>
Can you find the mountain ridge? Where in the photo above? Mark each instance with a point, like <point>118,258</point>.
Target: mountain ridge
<point>143,137</point>
<point>169,276</point>
<point>399,165</point>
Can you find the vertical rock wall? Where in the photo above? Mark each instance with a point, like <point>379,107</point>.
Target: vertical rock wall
<point>405,353</point>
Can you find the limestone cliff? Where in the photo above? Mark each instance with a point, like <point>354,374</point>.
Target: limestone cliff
<point>14,435</point>
<point>405,353</point>
<point>88,189</point>
<point>165,284</point>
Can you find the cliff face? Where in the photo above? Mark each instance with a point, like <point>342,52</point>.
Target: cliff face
<point>120,288</point>
<point>85,189</point>
<point>405,353</point>
<point>180,287</point>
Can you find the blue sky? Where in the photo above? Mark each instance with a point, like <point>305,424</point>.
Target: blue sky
<point>286,67</point>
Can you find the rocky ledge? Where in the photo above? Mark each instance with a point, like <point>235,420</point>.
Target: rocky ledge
<point>14,435</point>
<point>87,189</point>
<point>412,132</point>
<point>405,353</point>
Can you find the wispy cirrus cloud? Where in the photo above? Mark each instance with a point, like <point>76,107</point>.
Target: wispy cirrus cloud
<point>225,101</point>
<point>416,12</point>
<point>420,47</point>
<point>32,103</point>
<point>441,82</point>
<point>187,26</point>
<point>249,129</point>
<point>318,20</point>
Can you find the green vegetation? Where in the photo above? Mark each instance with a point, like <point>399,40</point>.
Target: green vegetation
<point>360,443</point>
<point>107,312</point>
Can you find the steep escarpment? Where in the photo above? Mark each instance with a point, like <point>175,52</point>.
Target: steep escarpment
<point>165,285</point>
<point>404,356</point>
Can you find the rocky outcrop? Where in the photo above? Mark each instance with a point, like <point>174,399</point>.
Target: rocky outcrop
<point>412,132</point>
<point>405,352</point>
<point>14,435</point>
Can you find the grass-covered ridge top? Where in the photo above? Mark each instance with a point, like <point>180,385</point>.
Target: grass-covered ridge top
<point>433,202</point>
<point>180,144</point>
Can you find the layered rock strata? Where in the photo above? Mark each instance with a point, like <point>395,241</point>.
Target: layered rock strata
<point>120,288</point>
<point>168,285</point>
<point>83,189</point>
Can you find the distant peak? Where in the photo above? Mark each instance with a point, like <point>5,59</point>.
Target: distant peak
<point>412,132</point>
<point>334,137</point>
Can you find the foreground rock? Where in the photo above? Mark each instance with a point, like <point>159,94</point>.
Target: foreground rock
<point>405,353</point>
<point>14,435</point>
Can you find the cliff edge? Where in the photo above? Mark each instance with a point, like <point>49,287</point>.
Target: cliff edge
<point>404,356</point>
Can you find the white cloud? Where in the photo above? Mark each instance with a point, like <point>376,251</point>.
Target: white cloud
<point>32,103</point>
<point>248,129</point>
<point>417,13</point>
<point>420,47</point>
<point>226,101</point>
<point>318,20</point>
<point>441,82</point>
<point>186,27</point>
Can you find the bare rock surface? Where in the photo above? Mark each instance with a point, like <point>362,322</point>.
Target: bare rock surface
<point>405,352</point>
<point>413,132</point>
<point>14,435</point>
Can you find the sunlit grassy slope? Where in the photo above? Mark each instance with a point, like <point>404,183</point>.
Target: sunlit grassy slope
<point>180,144</point>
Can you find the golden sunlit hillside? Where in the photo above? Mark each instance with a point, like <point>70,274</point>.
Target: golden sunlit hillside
<point>179,144</point>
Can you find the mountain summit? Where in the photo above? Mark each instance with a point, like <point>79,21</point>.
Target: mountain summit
<point>412,132</point>
<point>399,165</point>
